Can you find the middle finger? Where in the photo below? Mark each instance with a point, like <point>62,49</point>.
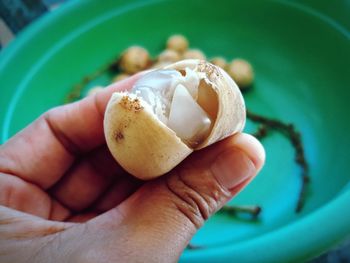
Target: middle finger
<point>87,179</point>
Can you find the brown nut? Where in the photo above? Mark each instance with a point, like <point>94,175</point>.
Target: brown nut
<point>120,77</point>
<point>219,61</point>
<point>134,59</point>
<point>168,55</point>
<point>177,43</point>
<point>242,72</point>
<point>194,54</point>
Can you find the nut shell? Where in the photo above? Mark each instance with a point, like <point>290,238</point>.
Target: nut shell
<point>231,114</point>
<point>147,148</point>
<point>141,144</point>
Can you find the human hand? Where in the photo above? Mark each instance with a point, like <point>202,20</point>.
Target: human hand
<point>64,199</point>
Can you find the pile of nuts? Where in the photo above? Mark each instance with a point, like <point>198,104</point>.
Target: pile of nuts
<point>137,58</point>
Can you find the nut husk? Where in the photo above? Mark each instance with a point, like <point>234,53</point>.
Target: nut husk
<point>145,147</point>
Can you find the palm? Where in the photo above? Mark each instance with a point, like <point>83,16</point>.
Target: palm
<point>59,168</point>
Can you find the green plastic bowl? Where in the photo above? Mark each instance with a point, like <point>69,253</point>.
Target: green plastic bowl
<point>301,60</point>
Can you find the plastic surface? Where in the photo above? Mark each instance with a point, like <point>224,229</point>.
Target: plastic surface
<point>301,61</point>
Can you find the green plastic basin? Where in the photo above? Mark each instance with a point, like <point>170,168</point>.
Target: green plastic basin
<point>301,59</point>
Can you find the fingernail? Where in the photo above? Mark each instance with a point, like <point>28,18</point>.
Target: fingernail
<point>232,167</point>
<point>252,147</point>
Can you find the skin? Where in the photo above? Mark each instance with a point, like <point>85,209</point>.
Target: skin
<point>64,199</point>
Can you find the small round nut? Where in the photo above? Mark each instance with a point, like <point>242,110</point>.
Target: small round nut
<point>219,61</point>
<point>134,59</point>
<point>94,90</point>
<point>242,72</point>
<point>120,77</point>
<point>194,54</point>
<point>160,64</point>
<point>169,55</point>
<point>177,43</point>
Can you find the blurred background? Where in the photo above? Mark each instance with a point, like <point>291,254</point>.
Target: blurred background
<point>16,15</point>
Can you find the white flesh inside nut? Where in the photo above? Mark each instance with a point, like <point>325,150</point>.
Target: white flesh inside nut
<point>173,99</point>
<point>187,119</point>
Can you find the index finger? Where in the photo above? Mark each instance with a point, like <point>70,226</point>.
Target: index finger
<point>79,126</point>
<point>42,152</point>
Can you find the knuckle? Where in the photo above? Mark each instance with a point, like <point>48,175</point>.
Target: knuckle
<point>10,188</point>
<point>197,193</point>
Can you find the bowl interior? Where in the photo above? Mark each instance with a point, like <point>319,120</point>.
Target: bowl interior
<point>301,66</point>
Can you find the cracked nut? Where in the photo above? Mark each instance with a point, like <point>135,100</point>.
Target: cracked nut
<point>169,113</point>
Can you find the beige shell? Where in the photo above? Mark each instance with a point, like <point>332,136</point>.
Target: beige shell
<point>147,148</point>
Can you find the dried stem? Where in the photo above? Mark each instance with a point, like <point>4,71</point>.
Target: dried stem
<point>77,89</point>
<point>295,137</point>
<point>254,210</point>
<point>193,247</point>
<point>261,132</point>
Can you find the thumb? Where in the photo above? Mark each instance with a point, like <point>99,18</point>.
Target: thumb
<point>160,219</point>
<point>157,222</point>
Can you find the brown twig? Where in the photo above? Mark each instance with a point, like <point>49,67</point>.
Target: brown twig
<point>77,89</point>
<point>193,247</point>
<point>261,132</point>
<point>254,210</point>
<point>295,137</point>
